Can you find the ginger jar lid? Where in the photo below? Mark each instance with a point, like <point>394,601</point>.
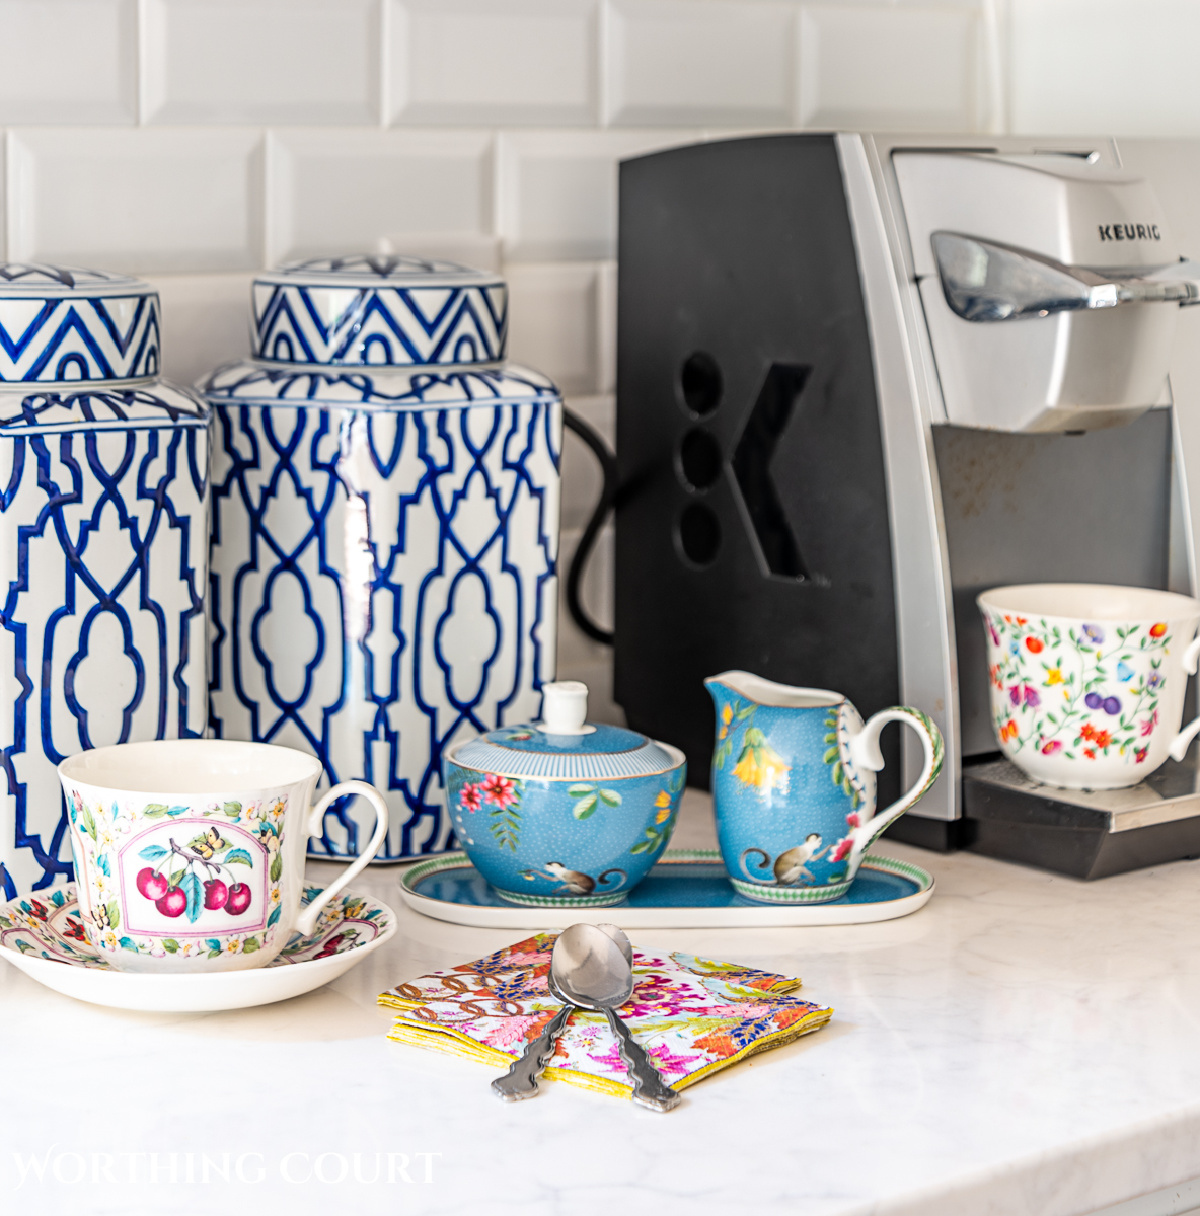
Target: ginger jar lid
<point>62,325</point>
<point>562,746</point>
<point>381,310</point>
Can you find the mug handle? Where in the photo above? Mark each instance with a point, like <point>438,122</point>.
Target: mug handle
<point>1179,744</point>
<point>864,752</point>
<point>306,922</point>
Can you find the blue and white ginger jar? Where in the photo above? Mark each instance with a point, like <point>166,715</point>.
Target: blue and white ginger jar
<point>103,545</point>
<point>385,530</point>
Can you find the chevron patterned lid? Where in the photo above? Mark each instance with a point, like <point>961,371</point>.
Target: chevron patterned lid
<point>379,310</point>
<point>61,325</point>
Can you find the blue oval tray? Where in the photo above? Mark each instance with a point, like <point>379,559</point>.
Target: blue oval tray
<point>687,888</point>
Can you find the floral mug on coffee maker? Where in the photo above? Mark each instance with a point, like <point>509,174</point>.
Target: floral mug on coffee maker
<point>1087,681</point>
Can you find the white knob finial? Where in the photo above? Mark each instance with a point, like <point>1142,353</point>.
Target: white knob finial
<point>564,708</point>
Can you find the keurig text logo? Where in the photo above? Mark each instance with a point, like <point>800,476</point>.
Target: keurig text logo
<point>1129,232</point>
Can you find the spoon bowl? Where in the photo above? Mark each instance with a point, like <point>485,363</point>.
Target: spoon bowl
<point>592,969</point>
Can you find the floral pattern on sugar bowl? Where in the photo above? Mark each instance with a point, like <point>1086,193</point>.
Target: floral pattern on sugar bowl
<point>1084,703</point>
<point>562,812</point>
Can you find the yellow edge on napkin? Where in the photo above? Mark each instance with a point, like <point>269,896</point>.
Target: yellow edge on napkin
<point>453,1042</point>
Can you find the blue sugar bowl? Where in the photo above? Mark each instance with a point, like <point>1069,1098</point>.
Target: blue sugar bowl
<point>561,813</point>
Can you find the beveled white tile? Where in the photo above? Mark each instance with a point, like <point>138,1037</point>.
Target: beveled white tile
<point>557,190</point>
<point>205,322</point>
<point>685,62</point>
<point>554,321</point>
<point>264,61</point>
<point>474,249</point>
<point>1067,55</point>
<point>580,658</point>
<point>331,191</point>
<point>895,68</point>
<point>68,61</point>
<point>493,61</point>
<point>582,479</point>
<point>142,201</point>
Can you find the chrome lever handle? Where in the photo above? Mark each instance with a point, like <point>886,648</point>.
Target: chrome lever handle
<point>986,281</point>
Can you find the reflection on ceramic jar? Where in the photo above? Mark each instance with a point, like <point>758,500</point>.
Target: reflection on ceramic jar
<point>561,813</point>
<point>385,529</point>
<point>103,537</point>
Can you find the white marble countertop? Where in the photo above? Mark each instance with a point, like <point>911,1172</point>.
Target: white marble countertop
<point>1026,1044</point>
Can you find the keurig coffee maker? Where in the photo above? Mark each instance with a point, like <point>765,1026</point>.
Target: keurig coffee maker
<point>861,379</point>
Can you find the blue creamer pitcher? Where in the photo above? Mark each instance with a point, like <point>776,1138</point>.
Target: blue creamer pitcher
<point>793,782</point>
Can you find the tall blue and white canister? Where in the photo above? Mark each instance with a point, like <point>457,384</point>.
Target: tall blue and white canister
<point>385,530</point>
<point>103,545</point>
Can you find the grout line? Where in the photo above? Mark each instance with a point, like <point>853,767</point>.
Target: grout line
<point>10,190</point>
<point>270,163</point>
<point>600,62</point>
<point>797,51</point>
<point>998,118</point>
<point>141,61</point>
<point>5,195</point>
<point>384,27</point>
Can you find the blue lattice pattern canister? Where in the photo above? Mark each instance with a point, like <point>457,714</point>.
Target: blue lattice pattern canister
<point>385,531</point>
<point>103,545</point>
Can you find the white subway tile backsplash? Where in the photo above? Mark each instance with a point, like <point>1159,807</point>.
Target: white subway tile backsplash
<point>346,190</point>
<point>582,479</point>
<point>68,61</point>
<point>557,190</point>
<point>896,68</point>
<point>493,61</point>
<point>206,322</point>
<point>1103,66</point>
<point>606,326</point>
<point>261,61</point>
<point>554,321</point>
<point>136,200</point>
<point>684,62</point>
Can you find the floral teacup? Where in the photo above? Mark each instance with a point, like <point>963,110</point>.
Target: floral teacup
<point>1087,681</point>
<point>189,853</point>
<point>793,783</point>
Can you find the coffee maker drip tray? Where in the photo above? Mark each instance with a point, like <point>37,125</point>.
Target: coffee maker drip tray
<point>1083,833</point>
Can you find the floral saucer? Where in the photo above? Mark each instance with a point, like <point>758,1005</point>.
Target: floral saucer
<point>43,936</point>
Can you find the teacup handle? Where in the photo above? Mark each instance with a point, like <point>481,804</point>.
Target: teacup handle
<point>864,752</point>
<point>306,922</point>
<point>1179,744</point>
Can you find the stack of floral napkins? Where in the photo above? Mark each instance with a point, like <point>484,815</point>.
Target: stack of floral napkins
<point>693,1017</point>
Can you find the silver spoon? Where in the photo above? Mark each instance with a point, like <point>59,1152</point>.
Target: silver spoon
<point>589,969</point>
<point>618,936</point>
<point>521,1080</point>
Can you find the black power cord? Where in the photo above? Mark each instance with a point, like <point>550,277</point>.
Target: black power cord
<point>608,468</point>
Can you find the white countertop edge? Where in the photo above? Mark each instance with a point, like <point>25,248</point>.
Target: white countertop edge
<point>1148,1164</point>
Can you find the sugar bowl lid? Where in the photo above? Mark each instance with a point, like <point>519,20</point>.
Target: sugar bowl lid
<point>381,310</point>
<point>61,325</point>
<point>562,746</point>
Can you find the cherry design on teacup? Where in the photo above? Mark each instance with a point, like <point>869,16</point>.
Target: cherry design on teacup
<point>195,877</point>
